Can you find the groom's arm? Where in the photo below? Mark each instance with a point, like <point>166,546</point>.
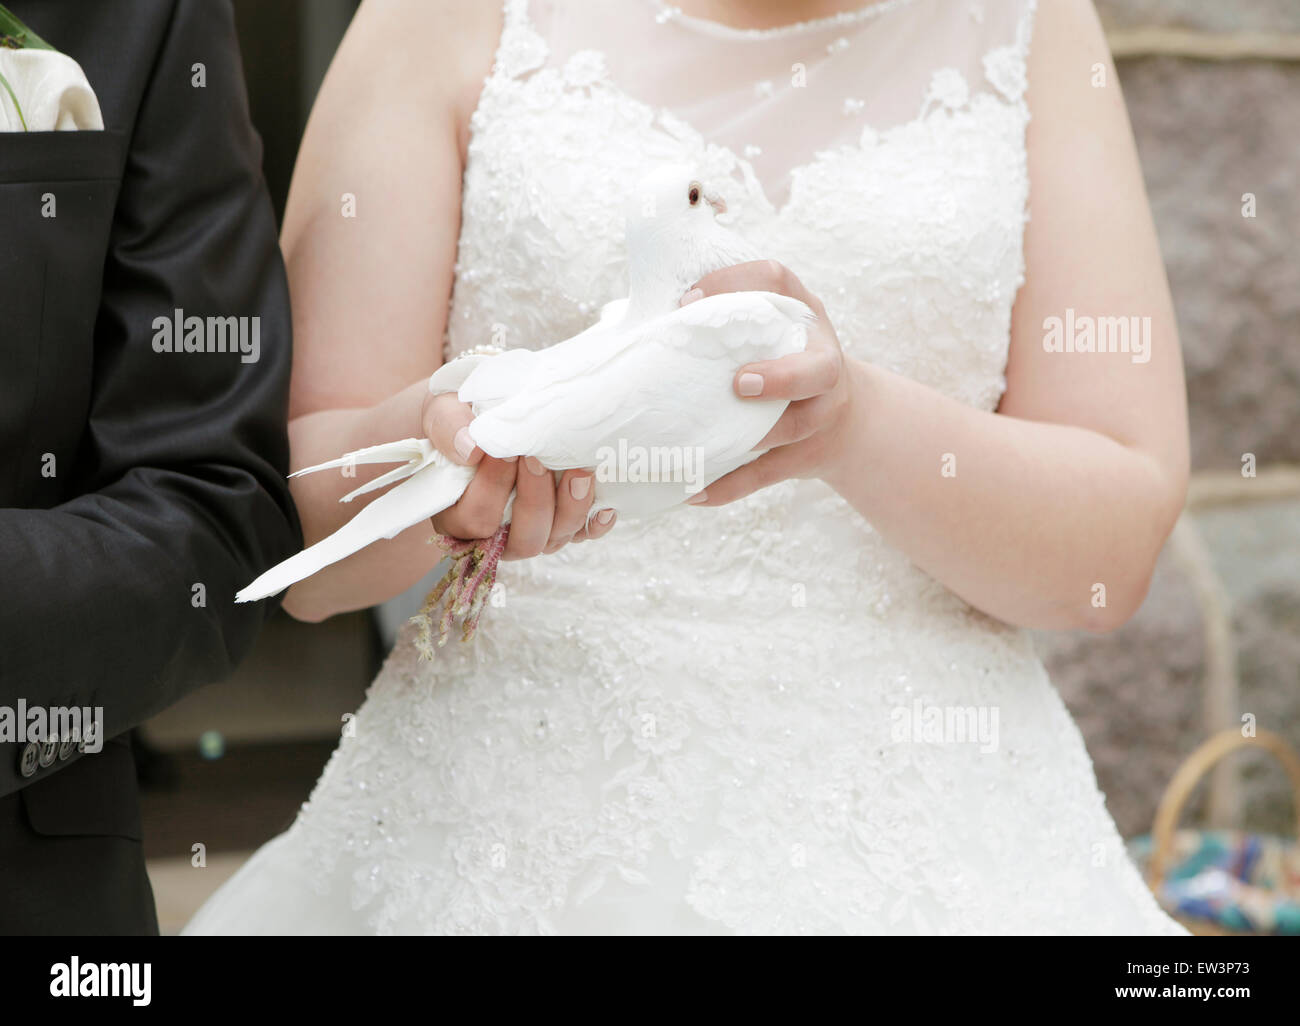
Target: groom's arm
<point>123,596</point>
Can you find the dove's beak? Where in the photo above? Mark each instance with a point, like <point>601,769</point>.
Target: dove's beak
<point>714,200</point>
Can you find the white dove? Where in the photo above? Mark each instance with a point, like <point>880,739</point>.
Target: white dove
<point>650,374</point>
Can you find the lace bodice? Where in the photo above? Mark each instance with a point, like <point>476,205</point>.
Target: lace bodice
<point>896,188</point>
<point>714,720</point>
<point>908,224</point>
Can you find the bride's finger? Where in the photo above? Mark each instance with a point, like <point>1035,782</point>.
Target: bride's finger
<point>757,276</point>
<point>573,499</point>
<point>445,421</point>
<point>479,511</point>
<point>597,527</point>
<point>768,469</point>
<point>797,376</point>
<point>801,420</point>
<point>533,512</point>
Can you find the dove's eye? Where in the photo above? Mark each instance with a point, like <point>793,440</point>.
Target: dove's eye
<point>694,195</point>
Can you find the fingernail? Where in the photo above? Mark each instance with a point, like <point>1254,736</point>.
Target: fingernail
<point>579,487</point>
<point>510,459</point>
<point>604,516</point>
<point>692,296</point>
<point>697,498</point>
<point>464,444</point>
<point>534,465</point>
<point>750,385</point>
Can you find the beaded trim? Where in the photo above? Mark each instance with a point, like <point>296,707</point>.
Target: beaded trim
<point>667,13</point>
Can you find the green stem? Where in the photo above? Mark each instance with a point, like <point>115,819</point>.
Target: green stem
<point>9,89</point>
<point>18,36</point>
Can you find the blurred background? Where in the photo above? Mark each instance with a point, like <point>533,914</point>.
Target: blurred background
<point>1213,90</point>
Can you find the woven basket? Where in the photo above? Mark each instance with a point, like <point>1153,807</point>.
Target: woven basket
<point>1180,789</point>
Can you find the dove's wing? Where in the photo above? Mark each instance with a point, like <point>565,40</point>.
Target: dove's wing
<point>615,311</point>
<point>451,375</point>
<point>431,489</point>
<point>515,371</point>
<point>665,382</point>
<point>488,378</point>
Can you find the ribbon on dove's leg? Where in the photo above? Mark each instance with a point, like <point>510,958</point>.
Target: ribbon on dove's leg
<point>463,590</point>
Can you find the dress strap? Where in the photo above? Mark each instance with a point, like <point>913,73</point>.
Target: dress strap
<point>1007,67</point>
<point>516,14</point>
<point>521,49</point>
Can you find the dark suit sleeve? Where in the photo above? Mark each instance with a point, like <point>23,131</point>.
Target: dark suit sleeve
<point>123,596</point>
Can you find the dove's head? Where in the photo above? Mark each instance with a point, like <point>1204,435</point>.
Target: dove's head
<point>673,239</point>
<point>670,201</point>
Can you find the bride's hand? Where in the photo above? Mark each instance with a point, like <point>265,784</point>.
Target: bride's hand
<point>544,518</point>
<point>808,439</point>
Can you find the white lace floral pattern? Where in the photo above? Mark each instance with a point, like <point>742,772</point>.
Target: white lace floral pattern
<point>691,727</point>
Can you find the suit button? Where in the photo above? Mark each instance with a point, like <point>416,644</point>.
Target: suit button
<point>49,752</point>
<point>28,760</point>
<point>66,749</point>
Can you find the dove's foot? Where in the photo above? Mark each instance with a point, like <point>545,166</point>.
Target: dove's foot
<point>463,590</point>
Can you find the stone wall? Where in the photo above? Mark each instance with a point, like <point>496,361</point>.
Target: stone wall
<point>1213,90</point>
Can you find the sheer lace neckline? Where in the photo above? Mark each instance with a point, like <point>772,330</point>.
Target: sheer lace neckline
<point>670,13</point>
<point>777,101</point>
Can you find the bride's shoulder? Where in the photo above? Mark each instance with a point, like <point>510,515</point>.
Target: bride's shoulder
<point>411,16</point>
<point>447,41</point>
<point>437,52</point>
<point>1068,25</point>
<point>1066,33</point>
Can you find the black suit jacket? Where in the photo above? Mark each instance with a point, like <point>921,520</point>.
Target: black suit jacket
<point>128,477</point>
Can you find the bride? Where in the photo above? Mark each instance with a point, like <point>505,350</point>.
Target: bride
<point>757,714</point>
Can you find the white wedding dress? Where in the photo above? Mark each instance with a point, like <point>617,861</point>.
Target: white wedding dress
<point>693,726</point>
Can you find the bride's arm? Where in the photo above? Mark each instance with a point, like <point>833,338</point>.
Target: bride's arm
<point>370,240</point>
<point>370,291</point>
<point>1078,478</point>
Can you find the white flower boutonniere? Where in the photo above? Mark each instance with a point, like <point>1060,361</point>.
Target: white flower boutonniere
<point>41,89</point>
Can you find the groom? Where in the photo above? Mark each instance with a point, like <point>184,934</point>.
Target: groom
<point>141,476</point>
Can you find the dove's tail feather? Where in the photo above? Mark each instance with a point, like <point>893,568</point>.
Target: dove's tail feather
<point>416,453</point>
<point>408,450</point>
<point>430,489</point>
